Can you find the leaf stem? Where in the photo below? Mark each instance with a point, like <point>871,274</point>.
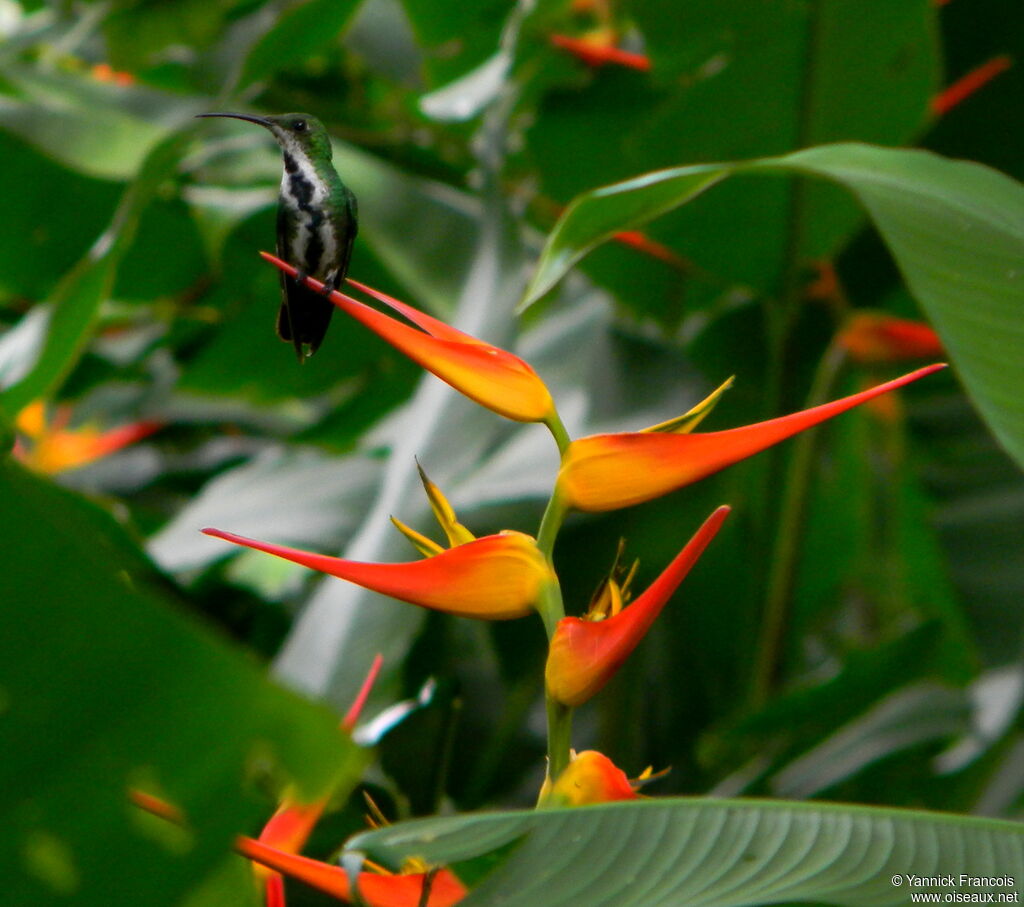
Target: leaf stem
<point>786,550</point>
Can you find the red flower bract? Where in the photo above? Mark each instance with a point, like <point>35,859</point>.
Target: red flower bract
<point>585,654</point>
<point>606,472</point>
<point>497,577</point>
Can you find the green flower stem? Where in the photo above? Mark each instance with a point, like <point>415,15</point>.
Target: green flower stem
<point>786,552</point>
<point>552,610</point>
<point>557,429</point>
<point>550,523</point>
<point>559,738</point>
<point>550,606</point>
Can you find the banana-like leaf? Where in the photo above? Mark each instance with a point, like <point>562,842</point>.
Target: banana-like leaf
<point>726,853</point>
<point>72,310</point>
<point>956,230</point>
<point>106,687</point>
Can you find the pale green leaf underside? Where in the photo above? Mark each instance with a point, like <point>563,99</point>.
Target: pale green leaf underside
<point>668,852</point>
<point>956,230</point>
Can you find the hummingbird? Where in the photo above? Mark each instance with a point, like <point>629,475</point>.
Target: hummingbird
<point>317,222</point>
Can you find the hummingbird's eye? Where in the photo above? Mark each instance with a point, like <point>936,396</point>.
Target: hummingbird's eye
<point>299,125</point>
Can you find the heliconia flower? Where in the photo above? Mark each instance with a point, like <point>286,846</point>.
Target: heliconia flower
<point>637,239</point>
<point>496,577</point>
<point>598,49</point>
<point>969,84</point>
<point>585,652</point>
<point>590,777</point>
<point>293,822</point>
<point>104,72</point>
<point>47,445</point>
<point>490,376</point>
<point>606,472</point>
<point>873,338</point>
<point>376,889</point>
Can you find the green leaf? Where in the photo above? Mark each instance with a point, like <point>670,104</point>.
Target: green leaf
<point>36,244</point>
<point>732,80</point>
<point>298,33</point>
<point>729,853</point>
<point>96,128</point>
<point>298,498</point>
<point>105,688</point>
<point>75,304</point>
<point>956,230</point>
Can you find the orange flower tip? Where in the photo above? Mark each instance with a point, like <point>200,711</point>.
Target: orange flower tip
<point>599,53</point>
<point>969,84</point>
<point>221,534</point>
<point>352,715</point>
<point>156,806</point>
<point>277,262</point>
<point>876,338</point>
<point>642,243</point>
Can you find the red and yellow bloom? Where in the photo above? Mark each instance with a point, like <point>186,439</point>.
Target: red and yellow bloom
<point>47,445</point>
<point>586,652</point>
<point>376,889</point>
<point>293,821</point>
<point>437,888</point>
<point>873,338</point>
<point>490,376</point>
<point>496,577</point>
<point>590,777</point>
<point>606,472</point>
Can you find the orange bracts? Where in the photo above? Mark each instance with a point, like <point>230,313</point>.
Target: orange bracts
<point>606,472</point>
<point>490,376</point>
<point>967,85</point>
<point>591,777</point>
<point>597,51</point>
<point>586,652</point>
<point>293,822</point>
<point>497,577</point>
<point>871,338</point>
<point>375,889</point>
<point>47,445</point>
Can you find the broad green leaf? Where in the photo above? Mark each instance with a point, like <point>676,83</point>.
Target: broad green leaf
<point>918,714</point>
<point>730,80</point>
<point>727,853</point>
<point>457,37</point>
<point>75,304</point>
<point>956,230</point>
<point>298,498</point>
<point>96,128</point>
<point>138,36</point>
<point>37,245</point>
<point>978,515</point>
<point>298,33</point>
<point>106,687</point>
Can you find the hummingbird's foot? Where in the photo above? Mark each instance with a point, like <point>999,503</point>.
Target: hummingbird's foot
<point>330,285</point>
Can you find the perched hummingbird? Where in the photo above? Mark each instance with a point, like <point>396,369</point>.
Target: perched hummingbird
<point>317,223</point>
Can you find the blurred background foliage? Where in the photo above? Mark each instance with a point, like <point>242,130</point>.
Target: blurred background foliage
<point>131,295</point>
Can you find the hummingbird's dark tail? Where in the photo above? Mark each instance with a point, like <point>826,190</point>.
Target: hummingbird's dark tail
<point>303,318</point>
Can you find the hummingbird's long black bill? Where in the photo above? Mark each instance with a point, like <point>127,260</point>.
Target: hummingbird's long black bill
<point>262,121</point>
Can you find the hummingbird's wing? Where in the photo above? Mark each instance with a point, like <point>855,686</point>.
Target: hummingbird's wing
<point>304,314</point>
<point>352,209</point>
